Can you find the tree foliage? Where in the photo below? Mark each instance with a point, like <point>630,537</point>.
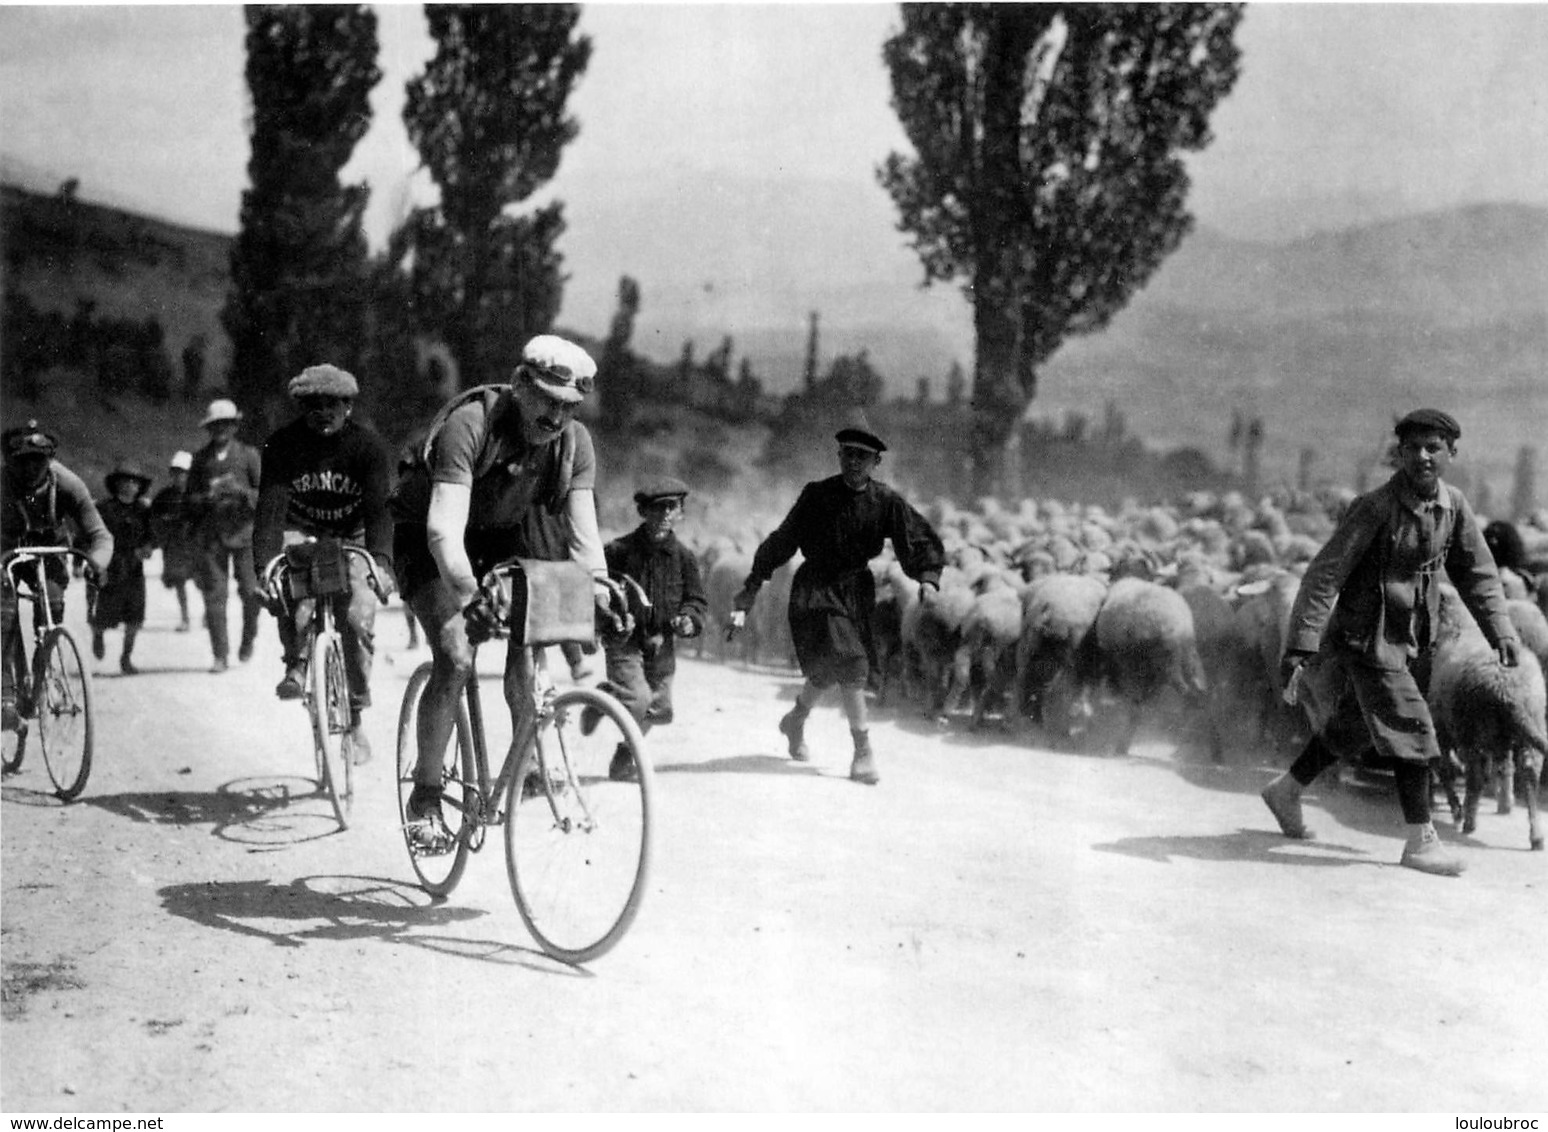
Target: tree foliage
<point>299,265</point>
<point>1046,174</point>
<point>488,118</point>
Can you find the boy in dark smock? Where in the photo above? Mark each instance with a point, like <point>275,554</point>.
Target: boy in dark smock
<point>839,525</point>
<point>1382,567</point>
<point>640,668</point>
<point>172,527</point>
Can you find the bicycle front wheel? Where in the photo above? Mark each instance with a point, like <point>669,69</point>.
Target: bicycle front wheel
<point>438,873</point>
<point>330,723</point>
<point>578,834</point>
<point>61,691</point>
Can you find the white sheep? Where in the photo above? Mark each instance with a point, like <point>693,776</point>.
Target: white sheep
<point>1058,612</point>
<point>1145,643</point>
<point>984,666</point>
<point>1492,716</point>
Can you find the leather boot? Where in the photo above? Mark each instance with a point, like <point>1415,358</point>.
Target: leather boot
<point>1283,798</point>
<point>793,728</point>
<point>863,769</point>
<point>1425,853</point>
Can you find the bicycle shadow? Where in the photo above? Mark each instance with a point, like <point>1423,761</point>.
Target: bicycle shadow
<point>263,813</point>
<point>332,908</point>
<point>29,796</point>
<point>1245,845</point>
<point>741,764</point>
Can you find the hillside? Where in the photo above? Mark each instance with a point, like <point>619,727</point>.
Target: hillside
<point>1325,337</point>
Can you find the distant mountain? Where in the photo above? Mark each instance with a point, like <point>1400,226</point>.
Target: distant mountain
<point>1322,336</point>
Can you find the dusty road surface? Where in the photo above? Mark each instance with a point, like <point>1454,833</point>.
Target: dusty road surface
<point>994,927</point>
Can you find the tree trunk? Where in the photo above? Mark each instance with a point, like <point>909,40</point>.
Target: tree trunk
<point>998,397</point>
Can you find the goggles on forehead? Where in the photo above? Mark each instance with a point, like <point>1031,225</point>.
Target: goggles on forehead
<point>556,376</point>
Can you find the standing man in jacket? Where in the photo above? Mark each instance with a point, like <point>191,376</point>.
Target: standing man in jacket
<point>223,496</point>
<point>1372,649</point>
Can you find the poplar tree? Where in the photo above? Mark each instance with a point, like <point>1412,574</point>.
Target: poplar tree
<point>488,118</point>
<point>299,264</point>
<point>1046,176</point>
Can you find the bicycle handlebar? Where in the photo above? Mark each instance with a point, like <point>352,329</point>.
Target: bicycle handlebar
<point>280,565</point>
<point>21,555</point>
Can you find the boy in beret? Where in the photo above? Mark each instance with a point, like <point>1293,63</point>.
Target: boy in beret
<point>839,524</point>
<point>1369,654</point>
<point>640,667</point>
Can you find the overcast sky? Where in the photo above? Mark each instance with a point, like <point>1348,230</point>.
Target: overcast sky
<point>1428,105</point>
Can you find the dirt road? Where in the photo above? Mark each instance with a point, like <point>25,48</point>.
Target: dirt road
<point>994,927</point>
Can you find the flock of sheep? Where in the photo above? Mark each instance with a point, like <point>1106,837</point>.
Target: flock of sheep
<point>1061,616</point>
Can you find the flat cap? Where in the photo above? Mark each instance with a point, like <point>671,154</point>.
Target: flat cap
<point>29,440</point>
<point>1429,420</point>
<point>660,487</point>
<point>324,381</point>
<point>860,438</point>
<point>563,370</point>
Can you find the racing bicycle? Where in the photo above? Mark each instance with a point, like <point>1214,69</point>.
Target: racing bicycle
<point>317,569</point>
<point>577,817</point>
<point>58,692</point>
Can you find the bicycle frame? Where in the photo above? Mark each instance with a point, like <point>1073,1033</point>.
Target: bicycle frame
<point>37,589</point>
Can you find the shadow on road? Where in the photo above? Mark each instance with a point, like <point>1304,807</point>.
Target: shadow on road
<point>271,812</point>
<point>344,909</point>
<point>1242,845</point>
<point>740,764</point>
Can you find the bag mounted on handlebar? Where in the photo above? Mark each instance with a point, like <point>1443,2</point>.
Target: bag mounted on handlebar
<point>317,569</point>
<point>551,603</point>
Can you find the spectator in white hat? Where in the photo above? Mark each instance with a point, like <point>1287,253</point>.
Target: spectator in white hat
<point>491,455</point>
<point>172,526</point>
<point>223,496</point>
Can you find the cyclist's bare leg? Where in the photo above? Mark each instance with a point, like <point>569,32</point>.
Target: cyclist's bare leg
<point>451,658</point>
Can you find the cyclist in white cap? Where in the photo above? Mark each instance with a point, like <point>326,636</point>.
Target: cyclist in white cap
<point>223,495</point>
<point>491,455</point>
<point>172,524</point>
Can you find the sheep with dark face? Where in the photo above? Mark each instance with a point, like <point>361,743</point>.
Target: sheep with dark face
<point>1492,716</point>
<point>1145,644</point>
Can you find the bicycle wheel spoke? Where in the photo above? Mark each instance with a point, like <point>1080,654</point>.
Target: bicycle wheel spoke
<point>326,735</point>
<point>577,848</point>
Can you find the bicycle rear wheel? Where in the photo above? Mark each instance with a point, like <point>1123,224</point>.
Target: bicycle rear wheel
<point>577,841</point>
<point>61,691</point>
<point>330,722</point>
<point>438,874</point>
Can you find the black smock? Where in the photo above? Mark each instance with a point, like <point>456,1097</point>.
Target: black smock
<point>833,595</point>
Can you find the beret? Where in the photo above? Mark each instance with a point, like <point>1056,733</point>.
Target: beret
<point>324,381</point>
<point>563,369</point>
<point>1429,420</point>
<point>660,487</point>
<point>860,438</point>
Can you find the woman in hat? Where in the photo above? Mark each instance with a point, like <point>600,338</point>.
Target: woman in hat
<point>1367,656</point>
<point>839,525</point>
<point>121,599</point>
<point>172,527</point>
